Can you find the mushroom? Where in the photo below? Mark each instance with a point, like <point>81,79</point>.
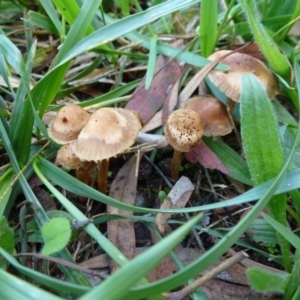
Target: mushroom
<point>184,131</point>
<point>68,159</point>
<point>108,132</point>
<point>64,129</point>
<point>213,114</point>
<point>67,124</point>
<point>230,82</point>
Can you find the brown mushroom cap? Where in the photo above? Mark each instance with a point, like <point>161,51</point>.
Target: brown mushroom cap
<point>230,82</point>
<point>68,159</point>
<point>67,124</point>
<point>213,115</point>
<point>108,132</point>
<point>184,129</point>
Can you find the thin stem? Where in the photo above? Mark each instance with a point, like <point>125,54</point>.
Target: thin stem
<point>176,163</point>
<point>84,176</point>
<point>102,175</point>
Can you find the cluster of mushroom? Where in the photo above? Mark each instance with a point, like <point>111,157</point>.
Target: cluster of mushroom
<point>88,139</point>
<point>205,115</point>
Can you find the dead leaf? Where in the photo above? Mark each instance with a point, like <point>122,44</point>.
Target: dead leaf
<point>123,188</point>
<point>219,290</point>
<point>171,101</point>
<point>186,255</point>
<point>154,122</point>
<point>148,102</point>
<point>206,158</point>
<point>178,197</point>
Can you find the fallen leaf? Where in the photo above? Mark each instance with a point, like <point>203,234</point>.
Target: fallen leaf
<point>154,122</point>
<point>171,101</point>
<point>206,158</point>
<point>178,197</point>
<point>186,255</point>
<point>148,102</point>
<point>219,290</point>
<point>121,232</point>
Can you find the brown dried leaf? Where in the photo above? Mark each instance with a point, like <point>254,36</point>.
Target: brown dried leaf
<point>219,290</point>
<point>186,255</point>
<point>171,102</point>
<point>154,122</point>
<point>178,197</point>
<point>123,188</point>
<point>148,102</point>
<point>206,158</point>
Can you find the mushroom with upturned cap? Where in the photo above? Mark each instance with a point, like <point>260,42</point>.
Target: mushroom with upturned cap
<point>230,82</point>
<point>213,114</point>
<point>184,131</point>
<point>108,132</point>
<point>67,124</point>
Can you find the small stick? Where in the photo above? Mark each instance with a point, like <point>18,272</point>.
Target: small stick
<point>208,276</point>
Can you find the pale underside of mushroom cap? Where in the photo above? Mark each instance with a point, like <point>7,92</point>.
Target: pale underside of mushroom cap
<point>184,130</point>
<point>213,115</point>
<point>108,132</point>
<point>67,124</point>
<point>68,159</point>
<point>230,82</point>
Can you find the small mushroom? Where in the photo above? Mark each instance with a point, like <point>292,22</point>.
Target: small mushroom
<point>230,82</point>
<point>67,124</point>
<point>184,131</point>
<point>66,158</point>
<point>213,115</point>
<point>108,132</point>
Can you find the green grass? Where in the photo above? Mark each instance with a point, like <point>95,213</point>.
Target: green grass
<point>117,36</point>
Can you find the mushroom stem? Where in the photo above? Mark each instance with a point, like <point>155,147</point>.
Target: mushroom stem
<point>143,137</point>
<point>175,165</point>
<point>102,175</point>
<point>84,176</point>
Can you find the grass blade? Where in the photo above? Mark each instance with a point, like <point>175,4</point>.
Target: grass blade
<point>277,61</point>
<point>262,146</point>
<point>208,26</point>
<point>15,288</point>
<point>133,270</point>
<point>80,20</point>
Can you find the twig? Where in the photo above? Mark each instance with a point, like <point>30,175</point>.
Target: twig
<point>208,276</point>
